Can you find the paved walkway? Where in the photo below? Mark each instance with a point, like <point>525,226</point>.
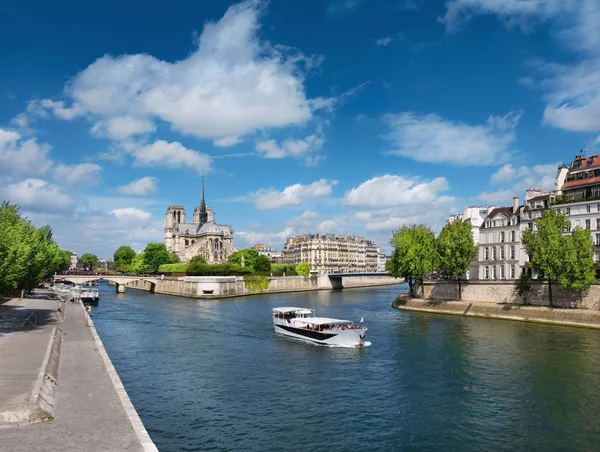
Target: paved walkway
<point>89,414</point>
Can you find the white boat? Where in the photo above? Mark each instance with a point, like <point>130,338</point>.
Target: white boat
<point>89,295</point>
<point>301,323</point>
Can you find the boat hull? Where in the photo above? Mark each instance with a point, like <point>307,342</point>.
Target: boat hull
<point>339,338</point>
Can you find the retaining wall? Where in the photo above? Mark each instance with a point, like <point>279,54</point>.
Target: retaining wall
<point>505,292</point>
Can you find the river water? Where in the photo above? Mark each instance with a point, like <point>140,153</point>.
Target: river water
<point>213,376</point>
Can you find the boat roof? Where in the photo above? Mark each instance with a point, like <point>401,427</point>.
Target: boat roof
<point>324,321</point>
<point>303,310</point>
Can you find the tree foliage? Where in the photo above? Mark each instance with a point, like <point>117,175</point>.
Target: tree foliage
<point>123,256</point>
<point>545,246</point>
<point>174,258</point>
<point>415,254</point>
<point>226,269</point>
<point>138,265</point>
<point>28,255</point>
<point>523,286</point>
<point>249,257</point>
<point>173,268</point>
<point>256,283</point>
<point>578,272</point>
<point>262,264</point>
<point>155,255</point>
<point>89,261</point>
<point>303,269</point>
<point>198,259</point>
<point>280,269</point>
<point>456,250</point>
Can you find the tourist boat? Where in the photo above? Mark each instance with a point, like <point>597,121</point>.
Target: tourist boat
<point>89,296</point>
<point>301,323</point>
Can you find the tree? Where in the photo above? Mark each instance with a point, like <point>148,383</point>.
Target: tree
<point>414,256</point>
<point>262,264</point>
<point>138,265</point>
<point>303,269</point>
<point>89,261</point>
<point>174,258</point>
<point>578,258</point>
<point>123,256</point>
<point>523,286</point>
<point>198,259</point>
<point>155,255</point>
<point>250,255</point>
<point>545,246</point>
<point>456,250</point>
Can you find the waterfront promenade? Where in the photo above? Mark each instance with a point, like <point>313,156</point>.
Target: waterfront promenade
<point>91,412</point>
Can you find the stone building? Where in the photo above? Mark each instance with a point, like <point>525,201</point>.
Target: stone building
<point>201,237</point>
<point>381,260</point>
<point>276,257</point>
<point>326,253</point>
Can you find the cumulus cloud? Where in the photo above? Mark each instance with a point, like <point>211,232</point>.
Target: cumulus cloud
<point>232,84</point>
<point>383,42</point>
<point>130,214</point>
<point>270,239</point>
<point>227,141</point>
<point>294,195</point>
<point>143,186</point>
<point>86,173</point>
<point>522,178</point>
<point>20,157</point>
<point>389,190</point>
<point>39,196</point>
<point>431,138</point>
<point>307,148</point>
<point>171,155</point>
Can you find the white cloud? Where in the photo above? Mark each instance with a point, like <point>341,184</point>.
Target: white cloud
<point>388,190</point>
<point>244,239</point>
<point>306,148</point>
<point>227,141</point>
<point>231,85</point>
<point>39,196</point>
<point>87,173</point>
<point>22,157</point>
<point>383,42</point>
<point>122,127</point>
<point>341,6</point>
<point>537,177</point>
<point>171,155</point>
<point>294,195</point>
<point>130,214</point>
<point>143,186</point>
<point>431,138</point>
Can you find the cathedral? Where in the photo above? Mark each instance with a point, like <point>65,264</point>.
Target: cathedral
<point>203,236</point>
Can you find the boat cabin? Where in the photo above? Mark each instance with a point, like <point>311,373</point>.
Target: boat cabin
<point>292,313</point>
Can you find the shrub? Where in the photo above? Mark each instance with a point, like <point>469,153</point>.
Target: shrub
<point>303,269</point>
<point>173,268</point>
<point>288,269</point>
<point>227,269</point>
<point>256,283</point>
<point>523,286</point>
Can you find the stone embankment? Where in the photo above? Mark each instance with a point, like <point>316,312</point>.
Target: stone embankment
<point>235,286</point>
<point>58,388</point>
<point>505,311</point>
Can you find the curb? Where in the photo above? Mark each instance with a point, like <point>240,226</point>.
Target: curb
<point>43,396</point>
<point>132,414</point>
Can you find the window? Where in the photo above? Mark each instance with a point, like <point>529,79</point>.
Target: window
<point>587,224</point>
<point>502,272</point>
<point>588,208</point>
<point>502,237</point>
<point>530,225</point>
<point>512,272</point>
<point>598,207</point>
<point>597,239</point>
<point>568,211</point>
<point>487,272</point>
<point>486,254</point>
<point>187,242</point>
<point>493,252</point>
<point>501,252</point>
<point>597,223</point>
<point>494,272</point>
<point>532,204</point>
<point>512,252</point>
<point>558,210</point>
<point>568,226</point>
<point>513,236</point>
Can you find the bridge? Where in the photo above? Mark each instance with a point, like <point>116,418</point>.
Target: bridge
<point>120,281</point>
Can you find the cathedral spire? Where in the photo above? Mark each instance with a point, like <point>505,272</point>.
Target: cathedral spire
<point>203,217</point>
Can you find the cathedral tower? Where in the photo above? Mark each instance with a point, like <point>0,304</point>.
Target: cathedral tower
<point>202,215</point>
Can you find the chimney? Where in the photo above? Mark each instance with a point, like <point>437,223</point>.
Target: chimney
<point>515,204</point>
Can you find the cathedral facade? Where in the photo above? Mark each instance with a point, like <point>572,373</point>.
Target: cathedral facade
<point>203,236</point>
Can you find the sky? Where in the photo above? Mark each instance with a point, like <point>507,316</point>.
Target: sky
<point>341,116</point>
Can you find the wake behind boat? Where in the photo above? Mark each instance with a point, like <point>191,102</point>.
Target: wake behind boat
<point>301,323</point>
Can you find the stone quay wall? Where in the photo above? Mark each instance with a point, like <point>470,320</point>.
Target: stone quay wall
<point>234,286</point>
<point>505,292</point>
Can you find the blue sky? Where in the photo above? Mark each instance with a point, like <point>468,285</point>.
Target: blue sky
<point>347,116</point>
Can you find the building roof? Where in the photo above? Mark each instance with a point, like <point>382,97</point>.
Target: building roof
<point>506,211</point>
<point>593,161</point>
<point>208,228</point>
<point>539,198</point>
<point>582,182</point>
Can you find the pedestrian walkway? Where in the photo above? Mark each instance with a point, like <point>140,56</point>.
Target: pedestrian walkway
<point>89,414</point>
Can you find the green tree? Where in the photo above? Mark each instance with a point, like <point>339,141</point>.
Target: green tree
<point>262,264</point>
<point>303,269</point>
<point>414,256</point>
<point>89,261</point>
<point>155,255</point>
<point>456,250</point>
<point>545,246</point>
<point>174,258</point>
<point>523,286</point>
<point>138,265</point>
<point>198,259</point>
<point>123,256</point>
<point>249,257</point>
<point>578,258</point>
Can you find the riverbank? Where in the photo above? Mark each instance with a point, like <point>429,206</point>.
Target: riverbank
<point>90,409</point>
<point>503,311</point>
<point>215,287</point>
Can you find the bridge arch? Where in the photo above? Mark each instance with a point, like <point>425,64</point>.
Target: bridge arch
<point>120,281</point>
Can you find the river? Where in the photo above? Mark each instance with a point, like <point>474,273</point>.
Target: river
<point>212,375</point>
